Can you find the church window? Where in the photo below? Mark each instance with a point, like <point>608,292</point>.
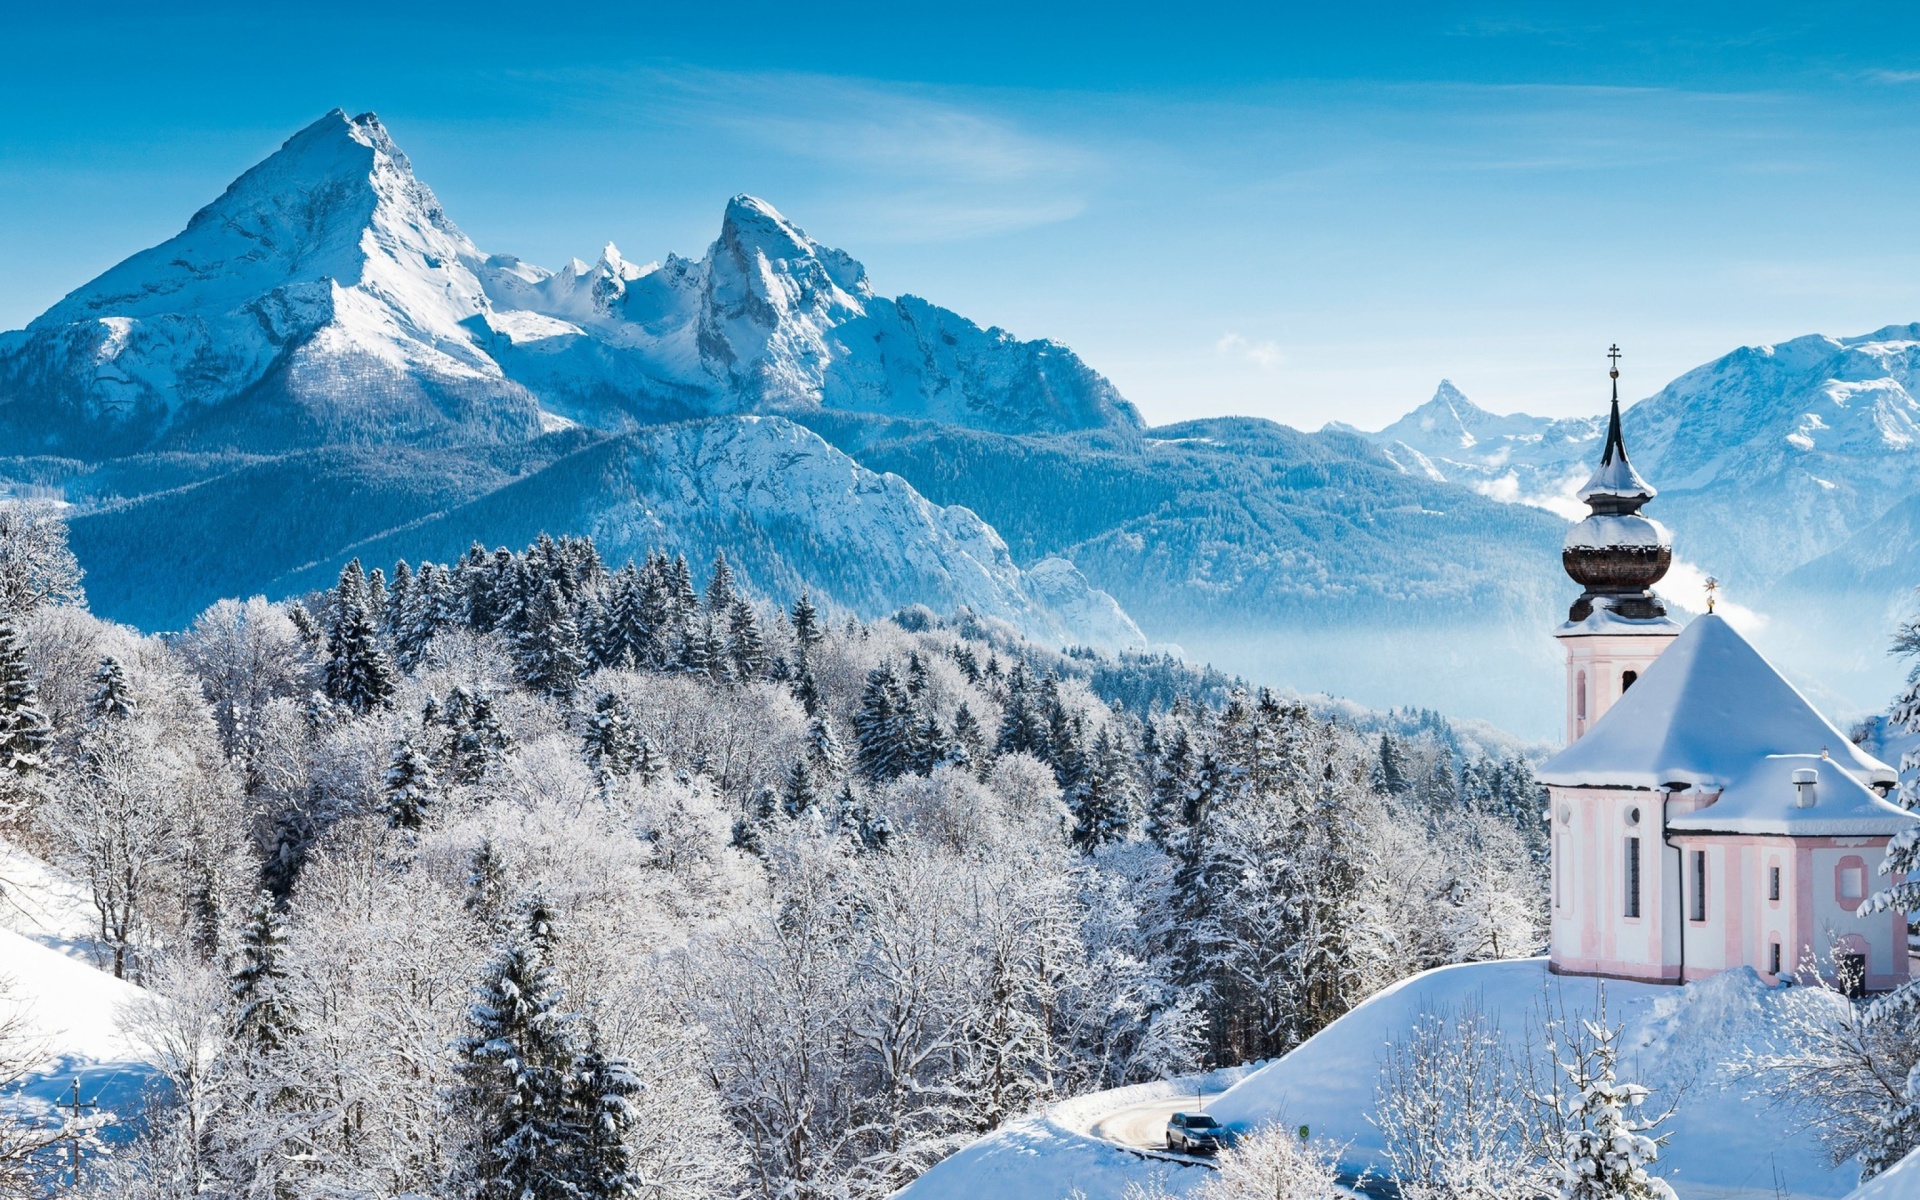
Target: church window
<point>1699,885</point>
<point>1580,695</point>
<point>1633,877</point>
<point>1852,883</point>
<point>1773,958</point>
<point>1627,679</point>
<point>1773,883</point>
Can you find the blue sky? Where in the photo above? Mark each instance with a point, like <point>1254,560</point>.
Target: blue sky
<point>1274,210</point>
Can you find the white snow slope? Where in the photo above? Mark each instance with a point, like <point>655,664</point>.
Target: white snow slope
<point>74,1019</point>
<point>1677,1040</point>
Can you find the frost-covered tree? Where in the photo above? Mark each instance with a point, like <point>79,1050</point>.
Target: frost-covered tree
<point>36,567</point>
<point>23,730</point>
<point>358,672</point>
<point>410,789</point>
<point>549,651</point>
<point>1607,1148</point>
<point>885,727</point>
<point>612,744</point>
<point>111,699</point>
<point>257,984</point>
<point>517,1070</point>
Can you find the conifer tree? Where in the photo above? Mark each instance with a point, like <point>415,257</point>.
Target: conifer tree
<point>359,674</point>
<point>867,831</point>
<point>262,1018</point>
<point>799,796</point>
<point>377,597</point>
<point>604,1088</point>
<point>1101,802</point>
<point>720,587</point>
<point>549,652</point>
<point>612,743</point>
<point>884,726</point>
<point>486,884</point>
<point>111,700</point>
<point>23,730</point>
<point>475,741</point>
<point>517,1072</point>
<point>825,754</point>
<point>806,627</point>
<point>1607,1148</point>
<point>1390,773</point>
<point>400,600</point>
<point>409,790</point>
<point>746,648</point>
<point>1170,790</point>
<point>625,640</point>
<point>1023,728</point>
<point>967,743</point>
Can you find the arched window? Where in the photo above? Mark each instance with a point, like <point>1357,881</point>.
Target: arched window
<point>1627,679</point>
<point>1580,695</point>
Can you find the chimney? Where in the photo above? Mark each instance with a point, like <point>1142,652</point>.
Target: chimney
<point>1804,780</point>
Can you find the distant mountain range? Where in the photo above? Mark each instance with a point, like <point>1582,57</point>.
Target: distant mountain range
<point>322,365</point>
<point>1791,472</point>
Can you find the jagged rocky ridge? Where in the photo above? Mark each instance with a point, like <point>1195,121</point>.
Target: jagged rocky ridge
<point>323,332</point>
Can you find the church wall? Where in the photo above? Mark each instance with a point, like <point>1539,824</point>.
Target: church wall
<point>1591,931</point>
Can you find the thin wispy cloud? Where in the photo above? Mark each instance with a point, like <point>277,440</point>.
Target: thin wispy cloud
<point>1264,354</point>
<point>927,164</point>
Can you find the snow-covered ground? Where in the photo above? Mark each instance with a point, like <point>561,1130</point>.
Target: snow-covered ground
<point>1076,1145</point>
<point>1725,1144</point>
<point>73,1019</point>
<point>1899,1182</point>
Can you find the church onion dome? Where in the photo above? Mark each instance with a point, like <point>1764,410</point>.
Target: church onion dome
<point>1616,554</point>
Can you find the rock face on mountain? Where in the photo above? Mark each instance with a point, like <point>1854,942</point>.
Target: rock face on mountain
<point>771,320</point>
<point>326,297</point>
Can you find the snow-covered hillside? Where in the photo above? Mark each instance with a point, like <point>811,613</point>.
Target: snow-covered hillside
<point>1726,1145</point>
<point>789,511</point>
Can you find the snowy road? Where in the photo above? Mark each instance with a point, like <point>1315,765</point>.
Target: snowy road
<point>1143,1125</point>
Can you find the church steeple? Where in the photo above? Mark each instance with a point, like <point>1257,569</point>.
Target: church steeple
<point>1615,487</point>
<point>1616,554</point>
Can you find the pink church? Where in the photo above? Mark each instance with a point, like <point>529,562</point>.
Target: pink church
<point>1704,815</point>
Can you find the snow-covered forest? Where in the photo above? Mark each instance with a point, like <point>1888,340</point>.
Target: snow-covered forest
<point>524,875</point>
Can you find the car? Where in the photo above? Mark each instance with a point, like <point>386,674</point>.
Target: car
<point>1195,1133</point>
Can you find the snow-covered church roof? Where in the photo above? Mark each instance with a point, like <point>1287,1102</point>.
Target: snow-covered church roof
<point>1706,713</point>
<point>1767,799</point>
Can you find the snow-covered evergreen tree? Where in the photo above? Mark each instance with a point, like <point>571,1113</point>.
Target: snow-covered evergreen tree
<point>23,729</point>
<point>1607,1149</point>
<point>518,1071</point>
<point>885,728</point>
<point>262,1016</point>
<point>548,650</point>
<point>612,744</point>
<point>359,674</point>
<point>409,789</point>
<point>799,797</point>
<point>111,699</point>
<point>746,646</point>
